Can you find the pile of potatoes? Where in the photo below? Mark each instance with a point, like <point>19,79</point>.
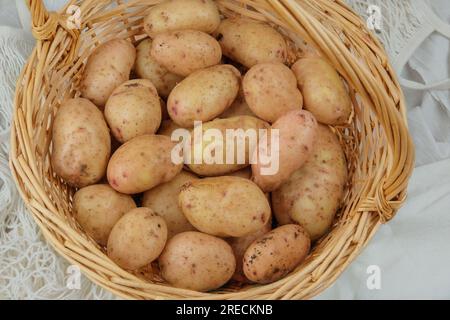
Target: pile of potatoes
<point>205,224</point>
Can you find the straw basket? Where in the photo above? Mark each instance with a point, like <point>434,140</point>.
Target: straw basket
<point>377,143</point>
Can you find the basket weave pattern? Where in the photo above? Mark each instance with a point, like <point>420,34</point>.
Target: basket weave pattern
<point>377,144</point>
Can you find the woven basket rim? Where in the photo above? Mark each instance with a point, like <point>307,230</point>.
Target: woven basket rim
<point>340,36</point>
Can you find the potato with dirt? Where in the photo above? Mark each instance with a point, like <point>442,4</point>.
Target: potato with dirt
<point>324,92</point>
<point>222,155</point>
<point>174,15</point>
<point>133,110</point>
<point>270,90</point>
<point>204,95</point>
<point>81,143</point>
<point>197,261</point>
<point>225,206</point>
<point>184,52</point>
<point>276,254</point>
<point>290,144</point>
<point>97,209</point>
<point>250,42</point>
<point>107,68</point>
<point>142,164</point>
<point>312,195</point>
<point>137,239</point>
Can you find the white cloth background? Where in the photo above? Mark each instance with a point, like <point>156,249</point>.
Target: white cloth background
<point>412,251</point>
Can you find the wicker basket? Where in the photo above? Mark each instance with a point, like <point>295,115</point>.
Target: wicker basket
<point>377,143</point>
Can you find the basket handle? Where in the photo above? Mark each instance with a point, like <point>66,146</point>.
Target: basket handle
<point>44,25</point>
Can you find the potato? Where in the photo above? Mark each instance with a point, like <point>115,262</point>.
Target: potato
<point>142,164</point>
<point>221,166</point>
<point>197,261</point>
<point>107,67</point>
<point>137,239</point>
<point>240,246</point>
<point>134,109</point>
<point>184,52</point>
<point>174,15</point>
<point>238,108</point>
<point>276,254</point>
<point>249,42</point>
<point>323,90</point>
<point>167,128</point>
<point>81,143</point>
<point>271,91</point>
<point>297,133</point>
<point>163,200</point>
<point>147,68</point>
<point>97,208</point>
<point>225,206</point>
<point>313,193</point>
<point>204,95</point>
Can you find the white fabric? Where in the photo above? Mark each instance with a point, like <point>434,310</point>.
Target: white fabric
<point>411,251</point>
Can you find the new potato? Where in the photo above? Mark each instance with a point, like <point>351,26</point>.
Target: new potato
<point>147,68</point>
<point>81,143</point>
<point>297,134</point>
<point>245,124</point>
<point>173,15</point>
<point>249,42</point>
<point>97,208</point>
<point>107,67</point>
<point>134,109</point>
<point>197,261</point>
<point>184,52</point>
<point>271,91</point>
<point>324,93</point>
<point>137,239</point>
<point>313,193</point>
<point>225,206</point>
<point>142,163</point>
<point>163,200</point>
<point>204,95</point>
<point>275,254</point>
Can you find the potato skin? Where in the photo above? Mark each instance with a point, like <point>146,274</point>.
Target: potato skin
<point>242,122</point>
<point>197,261</point>
<point>271,91</point>
<point>204,95</point>
<point>324,92</point>
<point>107,67</point>
<point>147,68</point>
<point>225,206</point>
<point>240,246</point>
<point>141,164</point>
<point>276,254</point>
<point>173,15</point>
<point>137,239</point>
<point>163,200</point>
<point>97,208</point>
<point>81,143</point>
<point>184,52</point>
<point>249,42</point>
<point>297,135</point>
<point>313,193</point>
<point>134,109</point>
